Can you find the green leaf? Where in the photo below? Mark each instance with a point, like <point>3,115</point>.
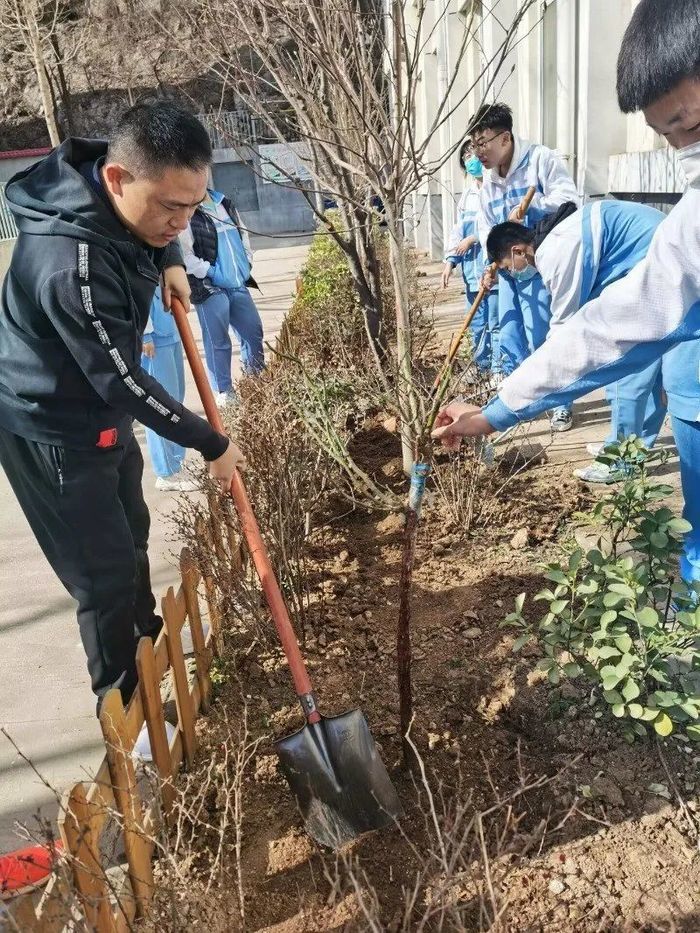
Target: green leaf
<point>622,589</point>
<point>612,600</point>
<point>639,728</point>
<point>546,664</point>
<point>650,714</point>
<point>558,606</point>
<point>520,641</point>
<point>608,617</point>
<point>679,526</point>
<point>553,676</point>
<point>618,710</point>
<point>607,651</point>
<point>587,588</point>
<point>693,732</point>
<point>663,724</point>
<point>613,696</point>
<point>648,617</point>
<point>519,603</point>
<point>595,558</point>
<point>666,697</point>
<point>575,560</point>
<point>572,669</point>
<point>545,594</point>
<point>691,709</point>
<point>660,790</point>
<point>659,540</point>
<point>630,690</point>
<point>624,643</point>
<point>636,710</point>
<point>556,576</point>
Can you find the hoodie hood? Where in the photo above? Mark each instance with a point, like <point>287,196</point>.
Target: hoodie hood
<point>52,198</point>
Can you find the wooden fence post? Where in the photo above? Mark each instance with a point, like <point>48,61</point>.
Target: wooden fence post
<point>75,823</point>
<point>185,713</point>
<point>149,687</point>
<point>123,778</point>
<point>189,575</point>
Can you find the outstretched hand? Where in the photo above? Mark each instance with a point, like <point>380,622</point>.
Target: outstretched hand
<point>458,420</point>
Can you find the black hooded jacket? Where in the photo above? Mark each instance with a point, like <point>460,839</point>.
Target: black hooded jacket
<point>75,302</point>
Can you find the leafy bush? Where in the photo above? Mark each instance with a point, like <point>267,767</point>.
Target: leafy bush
<point>624,621</point>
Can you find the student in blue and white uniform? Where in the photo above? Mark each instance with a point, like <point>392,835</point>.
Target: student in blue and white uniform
<point>162,359</point>
<point>657,306</point>
<point>464,250</point>
<point>218,260</point>
<point>578,253</point>
<point>514,165</point>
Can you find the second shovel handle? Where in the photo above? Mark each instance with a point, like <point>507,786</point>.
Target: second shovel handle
<point>249,524</point>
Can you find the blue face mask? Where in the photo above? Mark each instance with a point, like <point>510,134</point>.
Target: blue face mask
<point>523,275</point>
<point>474,167</point>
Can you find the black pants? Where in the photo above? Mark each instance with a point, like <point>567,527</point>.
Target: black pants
<point>87,511</point>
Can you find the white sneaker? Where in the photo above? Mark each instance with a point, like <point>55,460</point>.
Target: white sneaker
<point>142,748</point>
<point>176,483</point>
<point>562,419</point>
<point>599,473</point>
<point>595,449</point>
<point>224,399</point>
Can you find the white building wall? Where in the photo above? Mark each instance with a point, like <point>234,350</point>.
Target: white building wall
<point>559,79</point>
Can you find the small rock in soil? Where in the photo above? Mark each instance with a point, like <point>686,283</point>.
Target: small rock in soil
<point>471,633</point>
<point>557,886</point>
<point>608,790</point>
<point>520,539</point>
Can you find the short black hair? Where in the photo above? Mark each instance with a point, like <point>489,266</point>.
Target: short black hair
<point>153,136</point>
<point>491,117</point>
<point>503,237</point>
<point>660,48</point>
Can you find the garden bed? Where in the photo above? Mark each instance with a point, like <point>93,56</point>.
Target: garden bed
<point>585,832</point>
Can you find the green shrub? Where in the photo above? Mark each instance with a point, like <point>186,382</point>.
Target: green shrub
<point>624,621</point>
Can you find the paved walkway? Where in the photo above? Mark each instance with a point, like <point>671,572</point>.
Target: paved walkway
<point>45,699</point>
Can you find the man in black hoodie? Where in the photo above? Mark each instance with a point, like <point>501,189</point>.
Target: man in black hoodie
<point>98,227</point>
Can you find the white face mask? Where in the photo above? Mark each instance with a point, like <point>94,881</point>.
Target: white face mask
<point>689,157</point>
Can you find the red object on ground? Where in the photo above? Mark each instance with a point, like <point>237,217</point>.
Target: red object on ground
<point>26,869</point>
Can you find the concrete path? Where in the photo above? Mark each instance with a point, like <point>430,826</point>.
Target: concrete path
<point>45,699</point>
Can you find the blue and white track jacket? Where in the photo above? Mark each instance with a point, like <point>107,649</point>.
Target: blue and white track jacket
<point>631,323</point>
<point>532,165</point>
<point>472,262</point>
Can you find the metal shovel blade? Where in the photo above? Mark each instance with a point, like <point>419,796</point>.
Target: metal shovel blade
<point>338,778</point>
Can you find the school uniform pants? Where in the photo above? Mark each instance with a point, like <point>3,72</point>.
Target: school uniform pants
<point>168,368</point>
<point>226,310</point>
<point>687,437</point>
<point>485,330</point>
<point>87,512</point>
<point>636,405</point>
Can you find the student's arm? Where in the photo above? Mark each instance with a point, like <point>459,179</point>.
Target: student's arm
<point>631,324</point>
<point>485,219</point>
<point>95,321</point>
<point>195,266</point>
<point>557,185</point>
<point>559,262</point>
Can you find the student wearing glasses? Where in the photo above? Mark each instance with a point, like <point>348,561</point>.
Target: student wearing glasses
<point>514,165</point>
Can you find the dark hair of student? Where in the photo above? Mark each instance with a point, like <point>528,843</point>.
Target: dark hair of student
<point>660,48</point>
<point>151,137</point>
<point>503,237</point>
<point>495,117</point>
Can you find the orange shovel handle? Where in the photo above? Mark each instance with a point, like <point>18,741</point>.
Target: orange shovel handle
<point>249,524</point>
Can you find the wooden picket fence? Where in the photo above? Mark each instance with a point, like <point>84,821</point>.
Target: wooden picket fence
<point>110,907</point>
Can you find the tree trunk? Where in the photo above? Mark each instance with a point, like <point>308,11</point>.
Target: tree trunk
<point>406,393</point>
<point>64,92</point>
<point>41,75</point>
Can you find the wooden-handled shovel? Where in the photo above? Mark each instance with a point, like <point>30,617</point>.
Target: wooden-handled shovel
<point>331,763</point>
